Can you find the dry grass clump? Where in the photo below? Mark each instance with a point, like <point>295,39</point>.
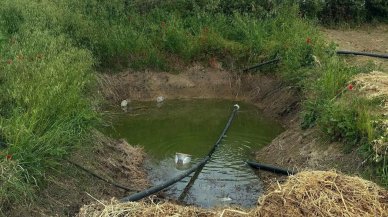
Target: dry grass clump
<point>374,84</point>
<point>151,209</point>
<point>315,193</point>
<point>120,161</point>
<point>15,186</point>
<point>320,193</point>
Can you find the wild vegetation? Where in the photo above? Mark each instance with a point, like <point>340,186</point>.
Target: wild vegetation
<point>351,12</point>
<point>51,50</point>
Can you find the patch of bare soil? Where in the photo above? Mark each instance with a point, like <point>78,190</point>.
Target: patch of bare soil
<point>315,193</point>
<point>194,82</point>
<point>305,150</point>
<point>71,187</point>
<point>366,39</point>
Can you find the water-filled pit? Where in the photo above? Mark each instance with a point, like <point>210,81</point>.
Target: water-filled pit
<point>192,127</point>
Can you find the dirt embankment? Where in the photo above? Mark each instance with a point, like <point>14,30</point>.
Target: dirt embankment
<point>198,82</point>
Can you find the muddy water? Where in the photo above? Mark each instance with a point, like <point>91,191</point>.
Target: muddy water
<point>192,127</point>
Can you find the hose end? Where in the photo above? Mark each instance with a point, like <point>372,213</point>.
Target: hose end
<point>236,106</point>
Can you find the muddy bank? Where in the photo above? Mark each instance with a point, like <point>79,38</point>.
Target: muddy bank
<point>198,82</point>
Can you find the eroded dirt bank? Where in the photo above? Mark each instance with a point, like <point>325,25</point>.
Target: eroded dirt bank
<point>267,92</point>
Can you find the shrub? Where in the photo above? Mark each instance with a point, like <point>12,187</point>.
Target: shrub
<point>377,9</point>
<point>344,11</point>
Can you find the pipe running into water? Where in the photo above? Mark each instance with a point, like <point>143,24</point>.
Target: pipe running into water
<point>197,167</point>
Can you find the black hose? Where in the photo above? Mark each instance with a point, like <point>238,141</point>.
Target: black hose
<point>190,183</point>
<point>236,108</point>
<point>262,64</point>
<point>141,195</point>
<point>99,177</point>
<point>198,166</point>
<point>385,56</point>
<point>196,174</point>
<point>271,168</point>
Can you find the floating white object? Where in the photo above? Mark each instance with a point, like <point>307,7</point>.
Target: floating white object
<point>159,99</point>
<point>225,199</point>
<point>124,103</point>
<point>237,106</point>
<point>182,159</point>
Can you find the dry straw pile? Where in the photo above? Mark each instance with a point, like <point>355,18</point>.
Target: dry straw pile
<point>315,193</point>
<point>319,193</point>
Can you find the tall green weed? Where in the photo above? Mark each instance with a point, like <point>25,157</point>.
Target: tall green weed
<point>45,108</point>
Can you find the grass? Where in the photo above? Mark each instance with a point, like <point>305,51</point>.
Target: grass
<point>50,51</point>
<point>45,110</point>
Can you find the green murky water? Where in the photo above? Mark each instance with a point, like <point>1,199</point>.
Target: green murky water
<point>192,127</point>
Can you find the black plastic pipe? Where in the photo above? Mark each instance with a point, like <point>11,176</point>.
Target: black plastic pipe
<point>271,168</point>
<point>385,56</point>
<point>196,174</point>
<point>261,64</point>
<point>153,190</point>
<point>100,177</point>
<point>215,146</point>
<point>190,184</point>
<point>198,166</point>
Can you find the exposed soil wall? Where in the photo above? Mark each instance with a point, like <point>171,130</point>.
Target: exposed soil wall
<point>267,92</point>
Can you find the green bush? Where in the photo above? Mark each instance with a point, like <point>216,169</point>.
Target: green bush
<point>348,123</point>
<point>377,9</point>
<point>344,11</point>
